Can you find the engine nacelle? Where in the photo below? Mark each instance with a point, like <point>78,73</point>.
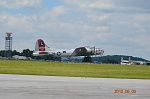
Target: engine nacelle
<point>94,51</point>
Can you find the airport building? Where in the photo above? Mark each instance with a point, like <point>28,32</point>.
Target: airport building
<point>132,62</point>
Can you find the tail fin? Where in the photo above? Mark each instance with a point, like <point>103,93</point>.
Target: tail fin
<point>40,45</point>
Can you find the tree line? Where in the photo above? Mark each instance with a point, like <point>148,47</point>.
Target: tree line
<point>25,52</point>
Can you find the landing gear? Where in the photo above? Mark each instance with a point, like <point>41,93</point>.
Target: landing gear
<point>87,59</point>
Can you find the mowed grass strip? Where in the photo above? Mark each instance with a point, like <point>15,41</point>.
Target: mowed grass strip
<point>73,69</point>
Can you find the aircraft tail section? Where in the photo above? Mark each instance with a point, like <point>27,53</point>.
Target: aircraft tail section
<point>40,45</point>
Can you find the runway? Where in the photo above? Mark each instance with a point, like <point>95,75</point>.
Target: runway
<point>51,87</point>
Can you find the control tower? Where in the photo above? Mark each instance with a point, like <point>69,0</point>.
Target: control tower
<point>8,45</point>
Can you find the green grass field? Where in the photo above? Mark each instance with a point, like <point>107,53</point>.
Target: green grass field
<point>73,69</point>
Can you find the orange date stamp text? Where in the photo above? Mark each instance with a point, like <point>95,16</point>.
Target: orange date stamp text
<point>127,91</point>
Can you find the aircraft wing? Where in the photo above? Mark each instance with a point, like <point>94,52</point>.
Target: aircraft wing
<point>87,51</point>
<point>81,51</point>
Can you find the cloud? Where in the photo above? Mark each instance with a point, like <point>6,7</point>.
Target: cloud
<point>107,6</point>
<point>57,11</point>
<point>18,22</point>
<point>94,4</point>
<point>98,18</point>
<point>15,4</point>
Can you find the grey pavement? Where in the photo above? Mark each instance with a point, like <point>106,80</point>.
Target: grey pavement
<point>51,87</point>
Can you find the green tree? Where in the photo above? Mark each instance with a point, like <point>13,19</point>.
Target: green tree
<point>110,61</point>
<point>2,53</point>
<point>14,52</point>
<point>27,53</point>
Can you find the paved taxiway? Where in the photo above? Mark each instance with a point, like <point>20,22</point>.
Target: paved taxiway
<point>50,87</point>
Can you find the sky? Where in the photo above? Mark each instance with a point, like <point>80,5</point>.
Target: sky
<point>120,27</point>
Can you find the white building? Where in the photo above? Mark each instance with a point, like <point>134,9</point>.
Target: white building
<point>19,57</point>
<point>131,62</point>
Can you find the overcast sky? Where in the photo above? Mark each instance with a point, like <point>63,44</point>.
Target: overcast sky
<point>120,27</point>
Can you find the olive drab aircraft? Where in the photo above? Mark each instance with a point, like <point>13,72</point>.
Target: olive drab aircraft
<point>41,49</point>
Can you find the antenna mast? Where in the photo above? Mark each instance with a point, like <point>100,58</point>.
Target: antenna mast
<point>8,45</point>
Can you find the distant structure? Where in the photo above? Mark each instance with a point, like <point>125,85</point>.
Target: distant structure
<point>133,62</point>
<point>8,45</point>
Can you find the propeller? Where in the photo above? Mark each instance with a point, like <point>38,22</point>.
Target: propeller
<point>102,52</point>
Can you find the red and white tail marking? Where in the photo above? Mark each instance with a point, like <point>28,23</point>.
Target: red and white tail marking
<point>41,45</point>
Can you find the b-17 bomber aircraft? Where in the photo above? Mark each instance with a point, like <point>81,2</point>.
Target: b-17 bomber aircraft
<point>41,49</point>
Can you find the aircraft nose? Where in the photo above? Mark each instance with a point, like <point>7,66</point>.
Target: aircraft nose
<point>100,52</point>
